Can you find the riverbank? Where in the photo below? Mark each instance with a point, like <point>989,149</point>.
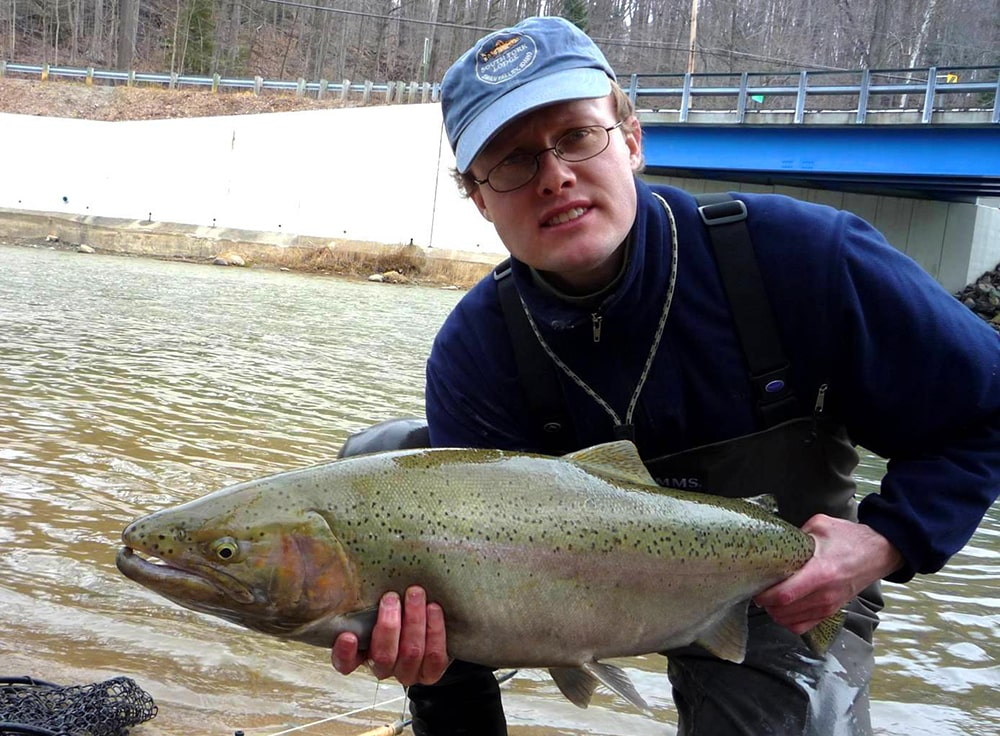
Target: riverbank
<point>983,297</point>
<point>395,264</point>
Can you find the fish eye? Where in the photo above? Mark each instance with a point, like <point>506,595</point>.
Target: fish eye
<point>225,548</point>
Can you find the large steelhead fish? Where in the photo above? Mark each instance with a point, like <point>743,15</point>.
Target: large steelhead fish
<point>537,561</point>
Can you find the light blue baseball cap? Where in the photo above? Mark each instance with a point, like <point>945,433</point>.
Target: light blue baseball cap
<point>538,62</point>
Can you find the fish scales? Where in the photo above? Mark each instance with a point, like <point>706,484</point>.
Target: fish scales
<point>536,561</point>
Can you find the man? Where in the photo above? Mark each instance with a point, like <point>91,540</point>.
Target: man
<point>624,293</point>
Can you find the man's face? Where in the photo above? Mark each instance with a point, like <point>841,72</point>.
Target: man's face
<point>570,220</point>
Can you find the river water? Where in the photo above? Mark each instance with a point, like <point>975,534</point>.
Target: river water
<point>127,385</point>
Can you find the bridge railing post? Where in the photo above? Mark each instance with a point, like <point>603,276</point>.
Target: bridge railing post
<point>866,80</point>
<point>929,92</point>
<point>741,101</point>
<point>996,101</point>
<point>800,97</point>
<point>633,87</point>
<point>686,98</point>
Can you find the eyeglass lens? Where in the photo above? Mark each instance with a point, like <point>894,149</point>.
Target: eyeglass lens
<point>577,145</point>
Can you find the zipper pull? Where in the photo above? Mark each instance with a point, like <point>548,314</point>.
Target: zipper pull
<point>817,413</point>
<point>820,400</point>
<point>597,319</point>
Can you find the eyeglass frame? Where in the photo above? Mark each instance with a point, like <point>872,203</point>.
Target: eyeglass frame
<point>555,151</point>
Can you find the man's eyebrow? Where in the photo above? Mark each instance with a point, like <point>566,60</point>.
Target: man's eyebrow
<point>562,130</point>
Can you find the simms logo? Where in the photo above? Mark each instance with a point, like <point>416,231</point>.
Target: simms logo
<point>502,58</point>
<point>689,484</point>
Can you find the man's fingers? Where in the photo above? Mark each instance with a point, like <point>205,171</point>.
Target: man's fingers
<point>412,636</point>
<point>384,647</point>
<point>435,648</point>
<point>345,656</point>
<point>407,642</point>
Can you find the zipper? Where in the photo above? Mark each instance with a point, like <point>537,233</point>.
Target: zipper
<point>597,319</point>
<point>820,400</point>
<point>818,408</point>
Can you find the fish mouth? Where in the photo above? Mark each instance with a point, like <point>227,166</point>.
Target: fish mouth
<point>205,585</point>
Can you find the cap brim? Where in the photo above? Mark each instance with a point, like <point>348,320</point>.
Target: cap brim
<point>571,84</point>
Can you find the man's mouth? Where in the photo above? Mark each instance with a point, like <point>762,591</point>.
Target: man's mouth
<point>566,216</point>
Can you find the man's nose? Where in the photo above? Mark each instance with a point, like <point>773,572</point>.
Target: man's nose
<point>553,172</point>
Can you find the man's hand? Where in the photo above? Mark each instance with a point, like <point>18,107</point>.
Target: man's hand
<point>408,641</point>
<point>848,558</point>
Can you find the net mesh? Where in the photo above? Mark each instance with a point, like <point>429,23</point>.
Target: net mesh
<point>101,709</point>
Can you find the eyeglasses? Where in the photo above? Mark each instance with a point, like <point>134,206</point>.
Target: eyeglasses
<point>576,145</point>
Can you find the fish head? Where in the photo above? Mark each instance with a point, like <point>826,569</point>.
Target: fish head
<point>253,561</point>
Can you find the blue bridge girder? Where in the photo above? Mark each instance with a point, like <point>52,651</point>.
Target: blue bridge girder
<point>946,163</point>
<point>929,133</point>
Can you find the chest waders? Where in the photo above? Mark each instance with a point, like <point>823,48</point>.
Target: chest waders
<point>806,463</point>
<point>781,687</point>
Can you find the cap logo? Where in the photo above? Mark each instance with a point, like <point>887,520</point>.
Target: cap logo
<point>503,58</point>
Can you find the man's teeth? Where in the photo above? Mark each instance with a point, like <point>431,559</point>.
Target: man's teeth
<point>567,216</point>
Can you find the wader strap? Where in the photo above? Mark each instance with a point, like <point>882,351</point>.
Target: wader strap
<point>725,219</point>
<point>536,371</point>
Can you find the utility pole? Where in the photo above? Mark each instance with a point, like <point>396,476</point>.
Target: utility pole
<point>694,35</point>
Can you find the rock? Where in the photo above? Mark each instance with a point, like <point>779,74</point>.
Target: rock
<point>229,259</point>
<point>394,277</point>
<point>83,248</point>
<point>982,296</point>
<point>389,277</point>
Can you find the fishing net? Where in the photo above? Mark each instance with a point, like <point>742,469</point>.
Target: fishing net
<point>108,708</point>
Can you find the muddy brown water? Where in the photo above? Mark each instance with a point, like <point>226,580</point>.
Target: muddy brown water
<point>127,385</point>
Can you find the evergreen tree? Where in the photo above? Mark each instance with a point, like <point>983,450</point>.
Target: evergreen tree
<point>575,11</point>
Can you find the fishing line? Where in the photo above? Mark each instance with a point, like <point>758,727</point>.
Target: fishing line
<point>339,716</point>
<point>500,681</point>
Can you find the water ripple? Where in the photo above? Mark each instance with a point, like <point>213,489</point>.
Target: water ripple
<point>128,385</point>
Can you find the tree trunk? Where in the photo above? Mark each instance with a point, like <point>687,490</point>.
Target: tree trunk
<point>128,28</point>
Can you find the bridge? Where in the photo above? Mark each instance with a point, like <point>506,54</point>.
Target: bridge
<point>929,132</point>
<point>923,133</point>
<point>914,152</point>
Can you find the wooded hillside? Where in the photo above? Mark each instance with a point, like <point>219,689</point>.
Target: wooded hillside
<point>416,40</point>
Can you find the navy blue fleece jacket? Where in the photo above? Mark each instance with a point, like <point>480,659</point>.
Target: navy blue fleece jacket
<point>912,374</point>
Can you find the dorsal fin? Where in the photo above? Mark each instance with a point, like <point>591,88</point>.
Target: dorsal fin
<point>728,638</point>
<point>766,501</point>
<point>619,459</point>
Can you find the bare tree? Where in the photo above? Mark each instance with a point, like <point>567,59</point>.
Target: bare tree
<point>128,27</point>
<point>380,39</point>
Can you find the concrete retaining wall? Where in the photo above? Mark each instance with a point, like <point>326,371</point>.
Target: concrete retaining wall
<point>378,174</point>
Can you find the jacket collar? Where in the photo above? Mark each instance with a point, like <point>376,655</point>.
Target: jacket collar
<point>640,288</point>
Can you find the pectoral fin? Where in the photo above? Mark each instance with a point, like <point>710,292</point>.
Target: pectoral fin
<point>360,623</point>
<point>578,683</point>
<point>322,632</point>
<point>728,638</point>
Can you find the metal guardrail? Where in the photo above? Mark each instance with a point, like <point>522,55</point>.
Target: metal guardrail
<point>926,84</point>
<point>389,92</point>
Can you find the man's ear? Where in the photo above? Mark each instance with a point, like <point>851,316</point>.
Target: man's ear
<point>633,139</point>
<point>477,197</point>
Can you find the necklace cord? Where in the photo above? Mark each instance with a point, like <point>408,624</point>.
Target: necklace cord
<point>633,402</point>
